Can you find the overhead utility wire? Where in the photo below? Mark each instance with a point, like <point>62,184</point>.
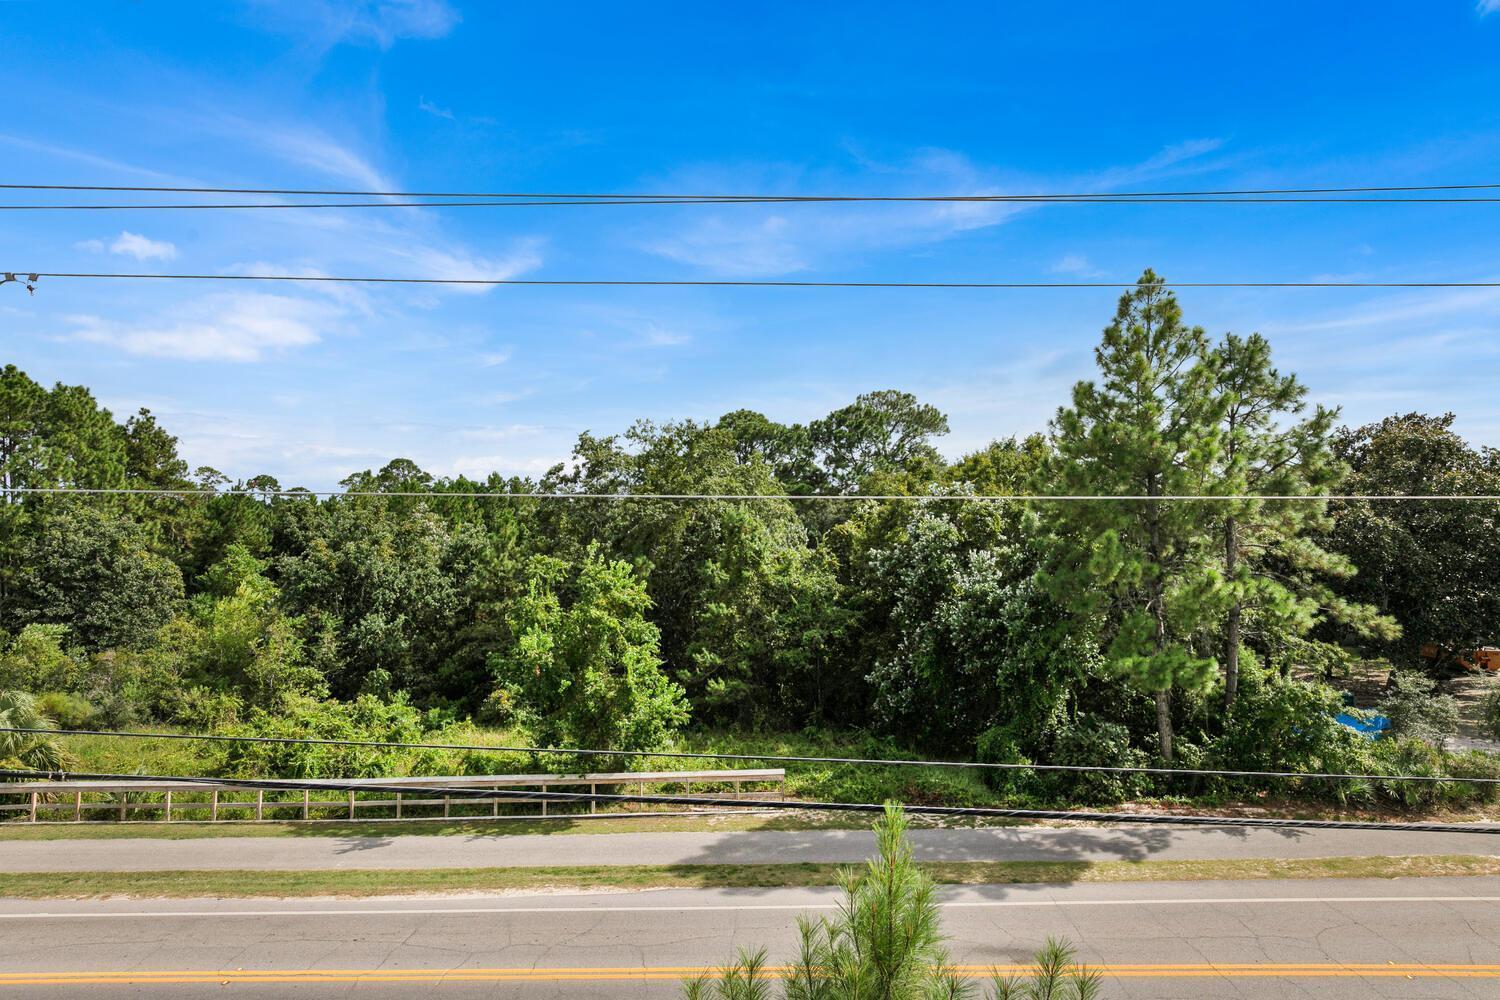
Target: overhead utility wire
<point>595,196</point>
<point>751,758</point>
<point>505,794</point>
<point>1070,200</point>
<point>734,283</point>
<point>828,497</point>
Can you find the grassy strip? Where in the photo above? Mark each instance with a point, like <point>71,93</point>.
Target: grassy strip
<point>373,882</point>
<point>179,830</point>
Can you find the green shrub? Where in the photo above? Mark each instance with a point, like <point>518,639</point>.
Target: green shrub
<point>70,711</point>
<point>365,718</point>
<point>1417,710</point>
<point>585,669</point>
<point>1489,710</point>
<point>35,660</point>
<point>205,710</point>
<point>1093,742</point>
<point>1399,755</point>
<point>1473,764</point>
<point>998,745</point>
<point>1288,726</point>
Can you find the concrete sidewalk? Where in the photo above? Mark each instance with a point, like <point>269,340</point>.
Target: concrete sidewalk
<point>1123,843</point>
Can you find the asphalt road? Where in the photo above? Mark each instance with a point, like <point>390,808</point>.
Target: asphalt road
<point>1338,940</point>
<point>1123,843</point>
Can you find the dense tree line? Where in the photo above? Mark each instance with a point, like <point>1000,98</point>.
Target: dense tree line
<point>1081,630</point>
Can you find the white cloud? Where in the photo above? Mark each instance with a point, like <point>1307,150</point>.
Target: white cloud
<point>423,104</point>
<point>719,245</point>
<point>1178,152</point>
<point>362,22</point>
<point>129,244</point>
<point>750,240</point>
<point>1402,311</point>
<point>312,149</point>
<point>434,262</point>
<point>237,326</point>
<point>1075,264</point>
<point>494,358</point>
<point>1487,7</point>
<point>655,336</point>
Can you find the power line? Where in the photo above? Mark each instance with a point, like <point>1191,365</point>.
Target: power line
<point>761,197</point>
<point>750,758</point>
<point>1072,200</point>
<point>736,283</point>
<point>795,497</point>
<point>993,812</point>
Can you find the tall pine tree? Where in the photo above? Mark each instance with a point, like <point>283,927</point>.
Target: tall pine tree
<point>1142,571</point>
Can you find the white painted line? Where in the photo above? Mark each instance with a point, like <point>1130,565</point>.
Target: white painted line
<point>727,907</point>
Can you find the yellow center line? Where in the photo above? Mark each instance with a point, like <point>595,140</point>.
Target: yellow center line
<point>652,973</point>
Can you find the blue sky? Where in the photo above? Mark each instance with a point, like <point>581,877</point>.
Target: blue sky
<point>309,384</point>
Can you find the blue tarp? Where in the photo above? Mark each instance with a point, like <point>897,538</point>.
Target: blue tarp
<point>1371,727</point>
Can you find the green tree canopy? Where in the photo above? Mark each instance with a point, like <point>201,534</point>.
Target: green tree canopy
<point>585,669</point>
<point>1430,564</point>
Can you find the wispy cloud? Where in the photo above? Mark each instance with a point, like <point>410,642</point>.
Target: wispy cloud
<point>656,336</point>
<point>723,246</point>
<point>129,244</point>
<point>1076,265</point>
<point>1487,7</point>
<point>457,264</point>
<point>381,23</point>
<point>309,148</point>
<point>745,241</point>
<point>104,163</point>
<point>239,327</point>
<point>494,358</point>
<point>423,104</point>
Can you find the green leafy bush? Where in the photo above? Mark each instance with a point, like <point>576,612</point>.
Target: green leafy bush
<point>70,711</point>
<point>1094,742</point>
<point>585,668</point>
<point>1417,710</point>
<point>1288,726</point>
<point>36,660</point>
<point>364,718</point>
<point>1489,710</point>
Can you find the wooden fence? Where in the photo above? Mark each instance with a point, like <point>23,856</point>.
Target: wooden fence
<point>196,800</point>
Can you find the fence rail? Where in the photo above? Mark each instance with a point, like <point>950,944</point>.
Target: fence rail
<point>76,800</point>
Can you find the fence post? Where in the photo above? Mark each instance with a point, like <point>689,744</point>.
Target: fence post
<point>213,806</point>
<point>445,807</point>
<point>78,807</point>
<point>351,805</point>
<point>260,803</point>
<point>306,795</point>
<point>166,808</point>
<point>398,805</point>
<point>593,805</point>
<point>33,807</point>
